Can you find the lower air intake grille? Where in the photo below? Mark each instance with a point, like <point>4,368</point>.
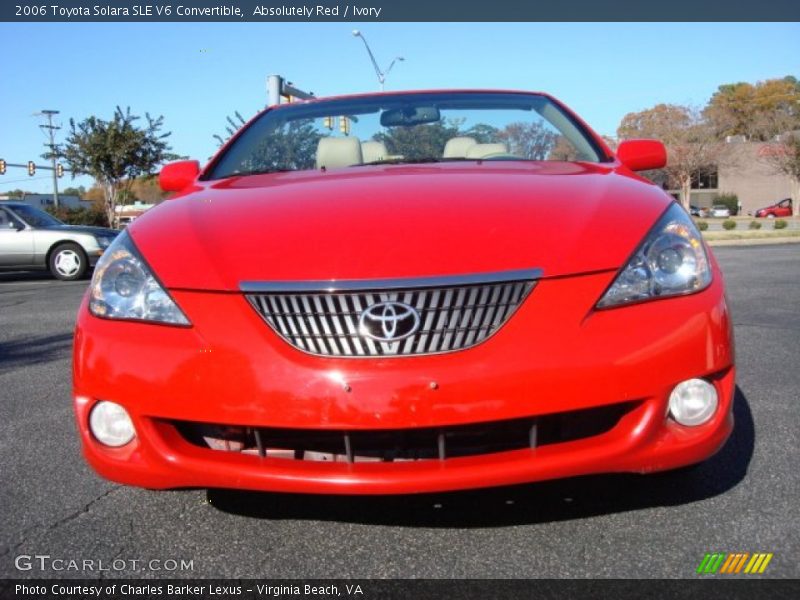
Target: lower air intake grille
<point>430,317</point>
<point>398,445</point>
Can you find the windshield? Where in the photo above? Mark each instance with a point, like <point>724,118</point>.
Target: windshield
<point>407,128</point>
<point>35,217</point>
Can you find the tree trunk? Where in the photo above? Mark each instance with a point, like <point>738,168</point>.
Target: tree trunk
<point>110,192</point>
<point>686,192</point>
<point>795,197</point>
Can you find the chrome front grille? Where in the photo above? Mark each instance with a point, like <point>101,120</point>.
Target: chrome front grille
<point>326,318</point>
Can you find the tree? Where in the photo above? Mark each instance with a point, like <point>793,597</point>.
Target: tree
<point>116,152</point>
<point>784,157</point>
<point>146,189</point>
<point>480,132</point>
<point>292,148</point>
<point>80,191</point>
<point>418,142</point>
<point>18,193</point>
<point>759,112</point>
<point>692,146</point>
<point>531,141</point>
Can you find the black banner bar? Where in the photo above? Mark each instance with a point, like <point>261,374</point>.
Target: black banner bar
<point>708,588</point>
<point>396,10</point>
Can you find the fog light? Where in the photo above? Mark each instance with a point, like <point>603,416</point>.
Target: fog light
<point>693,402</point>
<point>111,424</point>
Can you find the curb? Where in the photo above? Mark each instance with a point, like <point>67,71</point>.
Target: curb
<point>755,241</point>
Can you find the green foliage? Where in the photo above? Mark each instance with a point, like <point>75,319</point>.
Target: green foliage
<point>483,134</point>
<point>17,193</point>
<point>532,141</point>
<point>74,191</point>
<point>728,224</point>
<point>116,152</point>
<point>780,224</point>
<point>731,201</point>
<point>754,225</point>
<point>418,142</point>
<point>702,225</point>
<point>758,111</point>
<point>293,147</point>
<point>80,216</point>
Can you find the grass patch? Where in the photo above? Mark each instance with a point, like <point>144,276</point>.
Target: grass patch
<point>749,235</point>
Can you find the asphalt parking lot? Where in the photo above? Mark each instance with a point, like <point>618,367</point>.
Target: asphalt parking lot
<point>745,499</point>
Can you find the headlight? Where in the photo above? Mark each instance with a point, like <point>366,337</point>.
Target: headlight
<point>123,287</point>
<point>671,261</point>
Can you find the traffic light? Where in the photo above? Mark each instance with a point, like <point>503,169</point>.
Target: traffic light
<point>31,168</point>
<point>2,167</point>
<point>344,125</point>
<point>328,122</point>
<point>59,170</point>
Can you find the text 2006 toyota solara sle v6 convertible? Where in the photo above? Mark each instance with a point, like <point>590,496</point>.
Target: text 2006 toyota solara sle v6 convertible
<point>405,292</point>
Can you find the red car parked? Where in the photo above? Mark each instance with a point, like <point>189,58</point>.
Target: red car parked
<point>405,292</point>
<point>779,209</point>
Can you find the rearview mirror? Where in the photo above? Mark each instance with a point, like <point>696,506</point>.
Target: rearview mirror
<point>642,155</point>
<point>176,176</point>
<point>410,115</point>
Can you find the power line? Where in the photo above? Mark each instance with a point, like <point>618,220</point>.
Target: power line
<point>26,179</point>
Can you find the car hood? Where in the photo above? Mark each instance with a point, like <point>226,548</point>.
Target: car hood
<point>399,221</point>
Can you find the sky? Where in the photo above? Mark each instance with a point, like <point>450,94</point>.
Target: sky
<point>195,74</point>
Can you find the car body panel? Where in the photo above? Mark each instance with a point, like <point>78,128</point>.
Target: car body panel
<point>237,370</point>
<point>541,215</point>
<point>576,224</point>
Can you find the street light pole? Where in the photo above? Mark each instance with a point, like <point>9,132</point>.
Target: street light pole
<point>51,129</point>
<point>380,74</point>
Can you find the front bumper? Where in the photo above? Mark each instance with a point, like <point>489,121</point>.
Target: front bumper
<point>555,355</point>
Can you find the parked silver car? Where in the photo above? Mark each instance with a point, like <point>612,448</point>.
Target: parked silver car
<point>720,210</point>
<point>33,239</point>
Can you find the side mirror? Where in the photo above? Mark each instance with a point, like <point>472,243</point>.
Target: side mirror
<point>176,176</point>
<point>642,155</point>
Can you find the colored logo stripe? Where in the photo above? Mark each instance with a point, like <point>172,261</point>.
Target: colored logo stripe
<point>722,562</point>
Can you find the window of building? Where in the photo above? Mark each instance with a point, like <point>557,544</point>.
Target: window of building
<point>706,179</point>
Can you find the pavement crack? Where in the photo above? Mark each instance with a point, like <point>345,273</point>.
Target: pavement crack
<point>83,510</point>
<point>62,521</point>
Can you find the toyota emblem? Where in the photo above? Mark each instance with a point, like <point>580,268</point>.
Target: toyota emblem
<point>388,321</point>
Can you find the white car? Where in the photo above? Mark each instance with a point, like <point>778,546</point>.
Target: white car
<point>720,210</point>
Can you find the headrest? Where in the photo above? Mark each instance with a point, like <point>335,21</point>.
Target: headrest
<point>373,151</point>
<point>338,152</point>
<point>457,147</point>
<point>484,150</point>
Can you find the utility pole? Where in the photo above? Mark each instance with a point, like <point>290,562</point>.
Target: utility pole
<point>51,132</point>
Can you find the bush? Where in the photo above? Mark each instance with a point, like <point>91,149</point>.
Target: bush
<point>780,224</point>
<point>729,200</point>
<point>80,216</point>
<point>754,225</point>
<point>728,224</point>
<point>702,225</point>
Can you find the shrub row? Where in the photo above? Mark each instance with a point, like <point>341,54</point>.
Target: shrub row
<point>729,224</point>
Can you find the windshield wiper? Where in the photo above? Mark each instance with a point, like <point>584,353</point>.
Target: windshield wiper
<point>254,172</point>
<point>411,161</point>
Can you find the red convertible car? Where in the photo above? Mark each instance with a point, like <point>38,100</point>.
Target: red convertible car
<point>401,293</point>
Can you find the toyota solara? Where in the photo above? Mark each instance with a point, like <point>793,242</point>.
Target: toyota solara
<point>400,293</point>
